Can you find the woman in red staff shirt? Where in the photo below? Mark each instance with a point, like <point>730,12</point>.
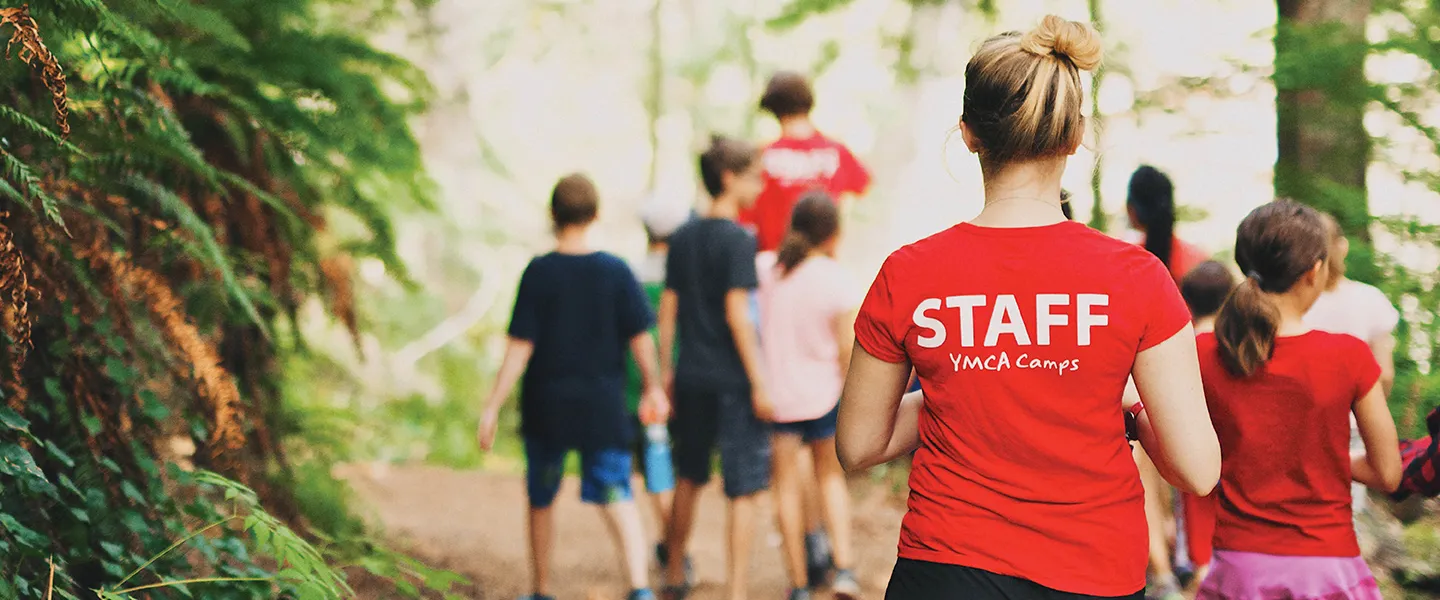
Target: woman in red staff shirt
<point>1280,396</point>
<point>1023,328</point>
<point>802,160</point>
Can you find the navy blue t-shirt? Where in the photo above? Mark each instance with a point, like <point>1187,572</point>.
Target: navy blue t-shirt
<point>708,259</point>
<point>580,311</point>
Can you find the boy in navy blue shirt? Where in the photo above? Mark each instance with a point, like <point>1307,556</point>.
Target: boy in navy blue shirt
<point>576,313</point>
<point>720,400</point>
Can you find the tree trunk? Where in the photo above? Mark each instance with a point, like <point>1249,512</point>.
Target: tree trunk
<point>655,96</point>
<point>1320,102</point>
<point>1097,126</point>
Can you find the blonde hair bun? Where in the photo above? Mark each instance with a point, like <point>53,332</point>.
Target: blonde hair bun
<point>1074,40</point>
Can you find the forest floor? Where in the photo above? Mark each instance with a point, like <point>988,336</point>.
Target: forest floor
<point>473,523</point>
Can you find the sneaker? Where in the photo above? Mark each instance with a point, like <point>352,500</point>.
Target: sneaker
<point>662,558</point>
<point>675,592</point>
<point>641,594</point>
<point>818,561</point>
<point>536,597</point>
<point>799,594</point>
<point>845,586</point>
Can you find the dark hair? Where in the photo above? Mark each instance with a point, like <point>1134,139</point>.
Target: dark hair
<point>725,155</point>
<point>814,221</point>
<point>574,201</point>
<point>787,94</point>
<point>1152,197</point>
<point>1023,93</point>
<point>1275,246</point>
<point>1337,237</point>
<point>1065,205</point>
<point>1205,288</point>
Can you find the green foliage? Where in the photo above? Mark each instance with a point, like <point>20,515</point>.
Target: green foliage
<point>146,258</point>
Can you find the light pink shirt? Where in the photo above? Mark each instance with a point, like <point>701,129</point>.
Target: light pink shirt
<point>797,334</point>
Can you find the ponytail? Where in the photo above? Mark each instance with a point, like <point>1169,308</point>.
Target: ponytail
<point>814,220</point>
<point>1275,246</point>
<point>793,251</point>
<point>1152,198</point>
<point>1245,328</point>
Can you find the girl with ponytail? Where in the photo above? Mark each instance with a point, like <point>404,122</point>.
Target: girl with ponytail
<point>808,303</point>
<point>1150,204</point>
<point>1280,397</point>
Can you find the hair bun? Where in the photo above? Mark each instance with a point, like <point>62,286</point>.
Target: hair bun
<point>1074,40</point>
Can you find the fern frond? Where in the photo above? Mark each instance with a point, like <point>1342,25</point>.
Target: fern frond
<point>176,208</point>
<point>26,123</point>
<point>206,21</point>
<point>20,173</point>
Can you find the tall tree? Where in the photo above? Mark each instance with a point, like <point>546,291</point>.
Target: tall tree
<point>1097,122</point>
<point>1321,95</point>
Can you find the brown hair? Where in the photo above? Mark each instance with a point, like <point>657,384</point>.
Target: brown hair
<point>725,155</point>
<point>1205,288</point>
<point>787,94</point>
<point>1023,93</point>
<point>1275,246</point>
<point>574,201</point>
<point>814,221</point>
<point>1336,270</point>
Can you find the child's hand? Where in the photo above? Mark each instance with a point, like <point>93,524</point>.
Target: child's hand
<point>654,406</point>
<point>485,434</point>
<point>764,410</point>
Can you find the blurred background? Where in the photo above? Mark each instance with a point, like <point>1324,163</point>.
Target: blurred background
<point>280,239</point>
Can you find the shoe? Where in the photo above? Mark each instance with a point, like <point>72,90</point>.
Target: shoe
<point>662,558</point>
<point>845,586</point>
<point>818,560</point>
<point>675,592</point>
<point>799,594</point>
<point>641,594</point>
<point>536,597</point>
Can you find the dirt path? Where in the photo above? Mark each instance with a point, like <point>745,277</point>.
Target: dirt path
<point>473,523</point>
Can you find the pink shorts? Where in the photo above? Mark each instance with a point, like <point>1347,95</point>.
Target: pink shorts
<point>1253,576</point>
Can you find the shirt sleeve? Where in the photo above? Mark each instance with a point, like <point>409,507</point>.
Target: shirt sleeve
<point>843,291</point>
<point>854,177</point>
<point>1164,309</point>
<point>1366,370</point>
<point>636,316</point>
<point>1385,316</point>
<point>877,329</point>
<point>525,318</point>
<point>741,272</point>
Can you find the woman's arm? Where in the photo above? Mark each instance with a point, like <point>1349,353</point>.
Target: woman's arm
<point>1379,468</point>
<point>869,408</point>
<point>1175,426</point>
<point>1384,350</point>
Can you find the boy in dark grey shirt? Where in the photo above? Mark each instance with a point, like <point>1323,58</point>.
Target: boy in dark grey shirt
<point>719,398</point>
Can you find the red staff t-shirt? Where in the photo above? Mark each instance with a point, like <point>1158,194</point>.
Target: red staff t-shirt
<point>792,167</point>
<point>1023,339</point>
<point>1285,441</point>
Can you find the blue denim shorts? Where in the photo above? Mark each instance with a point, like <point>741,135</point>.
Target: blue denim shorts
<point>604,474</point>
<point>813,430</point>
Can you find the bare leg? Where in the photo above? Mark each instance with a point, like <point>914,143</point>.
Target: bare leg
<point>677,535</point>
<point>1155,517</point>
<point>807,476</point>
<point>542,529</point>
<point>623,520</point>
<point>835,498</point>
<point>661,504</point>
<point>742,530</point>
<point>788,506</point>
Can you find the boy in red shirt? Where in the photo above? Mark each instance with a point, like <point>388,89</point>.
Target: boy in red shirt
<point>802,160</point>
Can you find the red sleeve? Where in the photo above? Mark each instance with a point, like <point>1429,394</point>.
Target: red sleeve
<point>1164,308</point>
<point>852,178</point>
<point>877,329</point>
<point>1366,371</point>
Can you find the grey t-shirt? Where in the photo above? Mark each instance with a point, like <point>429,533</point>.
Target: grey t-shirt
<point>708,258</point>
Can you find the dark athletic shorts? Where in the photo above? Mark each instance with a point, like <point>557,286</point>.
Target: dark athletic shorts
<point>918,580</point>
<point>813,430</point>
<point>704,420</point>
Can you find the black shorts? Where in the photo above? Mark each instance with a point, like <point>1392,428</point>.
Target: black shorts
<point>919,580</point>
<point>704,420</point>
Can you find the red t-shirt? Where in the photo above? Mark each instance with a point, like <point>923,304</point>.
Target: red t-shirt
<point>792,167</point>
<point>1023,340</point>
<point>1285,441</point>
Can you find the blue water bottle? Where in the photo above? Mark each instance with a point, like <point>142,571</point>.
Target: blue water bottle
<point>659,472</point>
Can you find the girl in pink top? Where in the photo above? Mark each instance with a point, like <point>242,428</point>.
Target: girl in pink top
<point>807,305</point>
